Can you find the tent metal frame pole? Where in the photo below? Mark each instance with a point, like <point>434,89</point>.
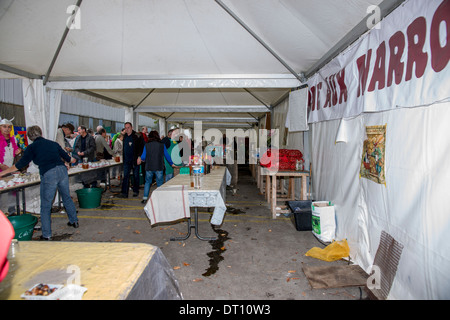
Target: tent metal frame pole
<point>61,42</point>
<point>386,7</point>
<point>96,95</point>
<point>254,96</point>
<point>265,45</point>
<point>140,102</point>
<point>19,72</point>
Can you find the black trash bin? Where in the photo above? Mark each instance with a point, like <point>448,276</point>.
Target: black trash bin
<point>302,214</point>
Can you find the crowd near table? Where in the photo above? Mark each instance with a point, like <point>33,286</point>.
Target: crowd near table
<point>16,184</point>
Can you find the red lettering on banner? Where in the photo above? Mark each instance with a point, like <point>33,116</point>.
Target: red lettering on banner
<point>328,95</point>
<point>342,87</point>
<point>417,30</point>
<point>318,88</point>
<point>399,66</point>
<point>440,55</point>
<point>396,66</point>
<point>363,64</point>
<point>312,100</point>
<point>379,71</point>
<point>333,91</point>
<point>309,100</point>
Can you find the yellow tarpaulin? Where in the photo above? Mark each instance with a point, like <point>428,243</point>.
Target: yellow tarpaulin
<point>335,251</point>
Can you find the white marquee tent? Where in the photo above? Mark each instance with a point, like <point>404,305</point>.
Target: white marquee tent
<point>233,62</point>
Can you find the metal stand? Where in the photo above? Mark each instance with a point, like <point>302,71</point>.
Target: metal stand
<point>195,226</point>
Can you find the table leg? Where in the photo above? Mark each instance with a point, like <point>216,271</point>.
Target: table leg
<point>274,197</point>
<point>24,209</point>
<point>195,226</point>
<point>291,188</point>
<point>303,190</point>
<point>18,202</point>
<point>108,179</point>
<point>268,188</point>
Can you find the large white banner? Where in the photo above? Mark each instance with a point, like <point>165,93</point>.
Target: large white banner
<point>401,62</point>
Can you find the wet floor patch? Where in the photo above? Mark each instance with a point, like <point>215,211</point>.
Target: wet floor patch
<point>232,210</point>
<point>58,237</point>
<point>215,256</point>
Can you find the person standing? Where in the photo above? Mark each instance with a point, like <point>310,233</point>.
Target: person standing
<point>117,136</point>
<point>85,145</point>
<point>62,134</point>
<point>166,139</point>
<point>118,146</point>
<point>174,152</point>
<point>85,148</point>
<point>48,156</point>
<point>8,145</point>
<point>132,149</point>
<point>154,155</point>
<point>144,132</point>
<point>102,147</point>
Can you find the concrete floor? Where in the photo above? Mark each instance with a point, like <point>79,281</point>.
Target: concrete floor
<point>255,258</point>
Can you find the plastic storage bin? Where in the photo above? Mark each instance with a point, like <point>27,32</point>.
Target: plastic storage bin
<point>302,214</point>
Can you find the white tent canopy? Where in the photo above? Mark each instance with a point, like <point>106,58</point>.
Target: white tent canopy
<point>231,62</point>
<point>165,57</point>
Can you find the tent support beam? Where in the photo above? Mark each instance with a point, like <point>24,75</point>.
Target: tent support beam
<point>19,72</point>
<point>140,102</point>
<point>96,95</point>
<point>235,17</point>
<point>61,42</point>
<point>268,107</point>
<point>386,7</point>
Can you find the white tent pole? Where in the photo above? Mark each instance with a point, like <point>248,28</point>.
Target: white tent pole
<point>4,67</point>
<point>254,96</point>
<point>386,7</point>
<point>61,42</point>
<point>143,99</point>
<point>99,96</point>
<point>54,106</point>
<point>235,17</point>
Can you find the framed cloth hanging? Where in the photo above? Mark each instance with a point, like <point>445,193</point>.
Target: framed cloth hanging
<point>373,156</point>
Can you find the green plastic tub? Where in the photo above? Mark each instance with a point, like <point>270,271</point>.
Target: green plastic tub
<point>23,226</point>
<point>89,198</point>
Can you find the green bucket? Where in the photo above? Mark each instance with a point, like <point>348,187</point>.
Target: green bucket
<point>23,226</point>
<point>89,198</point>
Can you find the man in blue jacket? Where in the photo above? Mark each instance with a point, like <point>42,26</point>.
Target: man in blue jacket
<point>48,156</point>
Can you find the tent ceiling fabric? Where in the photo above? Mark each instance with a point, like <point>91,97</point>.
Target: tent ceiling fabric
<point>190,53</point>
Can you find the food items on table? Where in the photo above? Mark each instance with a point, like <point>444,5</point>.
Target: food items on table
<point>40,290</point>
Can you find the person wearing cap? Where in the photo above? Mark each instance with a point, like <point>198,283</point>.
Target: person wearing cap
<point>49,157</point>
<point>8,145</point>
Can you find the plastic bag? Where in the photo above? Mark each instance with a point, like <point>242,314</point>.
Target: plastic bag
<point>335,251</point>
<point>323,220</point>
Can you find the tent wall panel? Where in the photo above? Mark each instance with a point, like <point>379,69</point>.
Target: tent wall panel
<point>411,207</point>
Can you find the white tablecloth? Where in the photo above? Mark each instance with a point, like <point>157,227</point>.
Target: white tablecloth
<point>172,200</point>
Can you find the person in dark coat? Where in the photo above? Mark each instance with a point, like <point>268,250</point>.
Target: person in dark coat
<point>132,149</point>
<point>85,147</point>
<point>153,155</point>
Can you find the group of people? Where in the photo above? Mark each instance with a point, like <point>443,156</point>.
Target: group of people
<point>52,161</point>
<point>156,155</point>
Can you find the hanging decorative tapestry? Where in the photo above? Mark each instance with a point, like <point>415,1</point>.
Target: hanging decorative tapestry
<point>372,162</point>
